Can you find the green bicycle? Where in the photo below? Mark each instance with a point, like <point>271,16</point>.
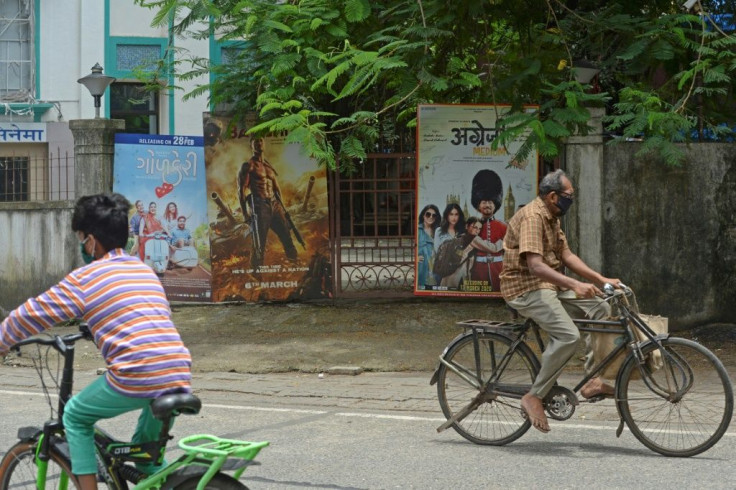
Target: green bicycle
<point>40,459</point>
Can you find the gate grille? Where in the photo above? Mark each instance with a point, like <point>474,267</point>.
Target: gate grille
<point>373,224</point>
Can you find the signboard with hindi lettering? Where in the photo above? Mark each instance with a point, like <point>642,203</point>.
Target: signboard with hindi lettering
<point>22,132</point>
<point>466,193</point>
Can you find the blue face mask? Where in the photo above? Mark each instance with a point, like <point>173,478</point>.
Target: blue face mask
<point>85,256</point>
<point>563,203</point>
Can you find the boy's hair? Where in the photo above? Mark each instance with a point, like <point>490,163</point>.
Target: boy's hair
<point>105,216</point>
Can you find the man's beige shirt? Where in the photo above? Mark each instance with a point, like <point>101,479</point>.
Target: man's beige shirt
<point>533,229</point>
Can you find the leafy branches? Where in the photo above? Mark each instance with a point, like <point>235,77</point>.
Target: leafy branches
<point>339,75</point>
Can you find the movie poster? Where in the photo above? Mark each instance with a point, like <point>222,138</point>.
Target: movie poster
<point>268,217</point>
<point>466,193</point>
<point>164,178</point>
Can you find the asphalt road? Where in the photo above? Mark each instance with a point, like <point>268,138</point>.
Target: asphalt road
<point>377,431</point>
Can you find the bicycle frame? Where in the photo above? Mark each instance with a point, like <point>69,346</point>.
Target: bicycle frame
<point>210,457</point>
<point>659,392</point>
<point>516,332</point>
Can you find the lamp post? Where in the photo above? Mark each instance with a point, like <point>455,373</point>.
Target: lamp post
<point>96,83</point>
<point>584,71</point>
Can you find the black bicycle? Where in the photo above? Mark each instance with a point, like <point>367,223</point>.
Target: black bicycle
<point>40,459</point>
<point>673,394</point>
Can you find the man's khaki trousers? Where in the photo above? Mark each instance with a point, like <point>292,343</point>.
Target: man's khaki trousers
<point>553,311</point>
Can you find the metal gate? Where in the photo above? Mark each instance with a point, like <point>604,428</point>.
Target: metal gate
<point>373,221</point>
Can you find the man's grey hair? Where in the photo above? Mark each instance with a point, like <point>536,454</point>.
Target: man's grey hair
<point>552,182</point>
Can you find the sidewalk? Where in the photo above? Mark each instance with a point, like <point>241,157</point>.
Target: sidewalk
<point>370,392</point>
<point>274,354</point>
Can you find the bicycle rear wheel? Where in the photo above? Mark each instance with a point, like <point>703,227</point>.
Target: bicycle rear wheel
<point>497,419</point>
<point>18,469</point>
<point>689,406</point>
<point>220,481</point>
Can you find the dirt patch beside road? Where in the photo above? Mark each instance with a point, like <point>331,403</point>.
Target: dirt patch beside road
<point>400,335</point>
<point>379,336</point>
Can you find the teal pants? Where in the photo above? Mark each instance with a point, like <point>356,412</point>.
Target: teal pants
<point>96,402</point>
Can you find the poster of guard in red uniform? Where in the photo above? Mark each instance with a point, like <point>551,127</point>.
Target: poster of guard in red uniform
<point>466,193</point>
<point>268,217</point>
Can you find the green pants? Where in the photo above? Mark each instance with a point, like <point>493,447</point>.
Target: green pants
<point>96,402</point>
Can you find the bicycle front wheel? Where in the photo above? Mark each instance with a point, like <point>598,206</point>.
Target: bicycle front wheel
<point>497,419</point>
<point>18,469</point>
<point>681,408</point>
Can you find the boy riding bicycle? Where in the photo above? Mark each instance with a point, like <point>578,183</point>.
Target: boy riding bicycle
<point>129,317</point>
<point>536,250</point>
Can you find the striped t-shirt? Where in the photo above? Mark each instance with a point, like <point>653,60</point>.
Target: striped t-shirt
<point>126,308</point>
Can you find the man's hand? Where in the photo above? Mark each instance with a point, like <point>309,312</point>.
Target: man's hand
<point>613,282</point>
<point>586,290</point>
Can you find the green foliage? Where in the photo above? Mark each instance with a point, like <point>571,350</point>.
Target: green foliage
<point>643,115</point>
<point>344,77</point>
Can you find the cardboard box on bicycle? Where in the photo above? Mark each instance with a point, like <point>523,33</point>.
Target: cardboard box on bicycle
<point>604,343</point>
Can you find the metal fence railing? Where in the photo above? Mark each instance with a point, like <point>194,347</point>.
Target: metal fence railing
<point>32,177</point>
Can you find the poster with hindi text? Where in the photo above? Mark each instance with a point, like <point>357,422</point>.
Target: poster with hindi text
<point>466,193</point>
<point>268,217</point>
<point>163,177</point>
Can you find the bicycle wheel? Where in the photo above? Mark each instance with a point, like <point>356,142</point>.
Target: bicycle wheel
<point>497,419</point>
<point>186,481</point>
<point>18,469</point>
<point>690,402</point>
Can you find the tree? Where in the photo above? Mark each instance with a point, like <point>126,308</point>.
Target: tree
<point>343,75</point>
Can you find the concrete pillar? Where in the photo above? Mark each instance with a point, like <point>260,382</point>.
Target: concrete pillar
<point>583,162</point>
<point>94,148</point>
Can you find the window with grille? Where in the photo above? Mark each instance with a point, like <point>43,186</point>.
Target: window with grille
<point>378,200</point>
<point>14,173</point>
<point>16,50</point>
<point>136,105</point>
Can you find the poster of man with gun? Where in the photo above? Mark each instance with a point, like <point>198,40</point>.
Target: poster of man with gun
<point>268,216</point>
<point>260,194</point>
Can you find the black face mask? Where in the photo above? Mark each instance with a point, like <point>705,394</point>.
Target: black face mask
<point>563,203</point>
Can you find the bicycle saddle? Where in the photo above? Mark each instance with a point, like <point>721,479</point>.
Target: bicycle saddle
<point>165,406</point>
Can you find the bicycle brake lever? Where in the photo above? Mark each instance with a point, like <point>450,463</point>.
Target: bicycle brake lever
<point>84,329</point>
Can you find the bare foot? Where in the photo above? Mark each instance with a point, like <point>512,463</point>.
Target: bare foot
<point>595,387</point>
<point>534,410</point>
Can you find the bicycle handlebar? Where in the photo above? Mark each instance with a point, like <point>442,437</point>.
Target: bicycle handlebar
<point>58,342</point>
<point>610,290</point>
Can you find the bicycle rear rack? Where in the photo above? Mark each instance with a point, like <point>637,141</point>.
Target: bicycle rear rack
<point>491,326</point>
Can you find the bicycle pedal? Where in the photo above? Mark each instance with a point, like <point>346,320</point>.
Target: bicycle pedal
<point>595,398</point>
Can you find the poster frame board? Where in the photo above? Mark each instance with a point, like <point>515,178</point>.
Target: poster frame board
<point>455,163</point>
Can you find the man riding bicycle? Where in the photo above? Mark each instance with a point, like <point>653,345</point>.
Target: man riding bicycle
<point>533,283</point>
<point>129,317</point>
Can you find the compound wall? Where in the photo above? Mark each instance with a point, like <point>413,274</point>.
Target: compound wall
<point>668,232</point>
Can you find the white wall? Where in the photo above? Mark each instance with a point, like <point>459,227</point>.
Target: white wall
<point>189,113</point>
<point>72,40</point>
<point>127,19</point>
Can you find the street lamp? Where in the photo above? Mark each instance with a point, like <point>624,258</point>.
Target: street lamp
<point>584,71</point>
<point>96,83</point>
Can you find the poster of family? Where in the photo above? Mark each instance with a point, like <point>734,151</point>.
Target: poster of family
<point>163,177</point>
<point>467,191</point>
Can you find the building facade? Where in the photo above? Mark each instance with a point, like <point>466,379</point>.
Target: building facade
<point>45,47</point>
